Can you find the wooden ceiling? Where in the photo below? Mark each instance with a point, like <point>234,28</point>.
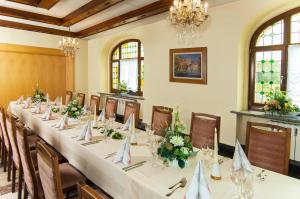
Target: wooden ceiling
<point>89,9</point>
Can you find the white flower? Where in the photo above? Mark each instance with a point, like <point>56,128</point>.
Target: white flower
<point>74,109</point>
<point>177,141</point>
<point>77,113</point>
<point>185,150</point>
<point>74,102</point>
<point>37,96</point>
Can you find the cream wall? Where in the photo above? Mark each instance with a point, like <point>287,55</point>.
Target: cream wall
<point>227,37</point>
<point>21,37</point>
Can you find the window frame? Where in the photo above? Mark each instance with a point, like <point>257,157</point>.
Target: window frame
<point>286,17</point>
<point>139,92</point>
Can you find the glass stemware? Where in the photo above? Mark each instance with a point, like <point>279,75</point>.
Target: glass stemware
<point>238,177</point>
<point>112,118</point>
<point>247,187</point>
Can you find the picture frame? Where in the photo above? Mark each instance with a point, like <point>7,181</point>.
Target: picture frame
<point>188,65</point>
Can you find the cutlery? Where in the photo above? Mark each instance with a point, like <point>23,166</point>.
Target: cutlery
<point>68,128</point>
<point>181,181</point>
<point>90,143</point>
<point>110,155</point>
<point>182,185</point>
<point>138,163</point>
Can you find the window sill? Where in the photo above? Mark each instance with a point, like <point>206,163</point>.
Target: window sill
<point>123,96</point>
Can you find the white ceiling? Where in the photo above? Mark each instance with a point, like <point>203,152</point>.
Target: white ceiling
<point>64,7</point>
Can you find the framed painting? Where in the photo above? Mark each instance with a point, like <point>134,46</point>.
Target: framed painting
<point>188,65</point>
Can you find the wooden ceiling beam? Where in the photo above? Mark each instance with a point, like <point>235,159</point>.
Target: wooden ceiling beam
<point>46,4</point>
<point>152,9</point>
<point>10,12</point>
<point>21,26</point>
<point>87,10</point>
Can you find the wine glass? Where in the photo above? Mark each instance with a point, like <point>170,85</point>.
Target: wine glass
<point>238,177</point>
<point>150,133</point>
<point>247,189</point>
<point>112,118</point>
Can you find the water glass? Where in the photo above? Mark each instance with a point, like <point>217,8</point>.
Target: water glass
<point>238,177</point>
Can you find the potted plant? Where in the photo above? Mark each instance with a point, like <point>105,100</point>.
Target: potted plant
<point>38,95</point>
<point>123,88</point>
<point>177,146</point>
<point>278,102</point>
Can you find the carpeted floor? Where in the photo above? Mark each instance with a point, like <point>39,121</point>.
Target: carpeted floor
<point>5,187</point>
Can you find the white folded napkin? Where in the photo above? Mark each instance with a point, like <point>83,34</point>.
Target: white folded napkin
<point>63,122</point>
<point>48,113</point>
<point>240,160</point>
<point>198,188</point>
<point>86,133</point>
<point>102,116</point>
<point>57,101</point>
<point>128,123</point>
<point>85,109</point>
<point>20,100</point>
<point>37,109</point>
<point>27,103</point>
<point>123,154</point>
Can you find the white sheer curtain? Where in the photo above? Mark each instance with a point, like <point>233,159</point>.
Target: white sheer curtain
<point>293,81</point>
<point>129,73</point>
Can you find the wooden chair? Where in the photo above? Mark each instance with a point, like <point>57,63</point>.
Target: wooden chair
<point>111,107</point>
<point>95,101</point>
<point>31,179</point>
<point>55,177</point>
<point>132,108</point>
<point>161,119</point>
<point>81,99</point>
<point>268,146</point>
<point>86,192</point>
<point>15,159</point>
<point>203,130</point>
<point>6,148</point>
<point>69,96</point>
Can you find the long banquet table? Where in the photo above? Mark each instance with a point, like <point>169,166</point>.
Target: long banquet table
<point>149,181</point>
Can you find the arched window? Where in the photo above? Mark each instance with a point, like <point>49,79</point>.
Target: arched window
<point>127,65</point>
<point>275,59</point>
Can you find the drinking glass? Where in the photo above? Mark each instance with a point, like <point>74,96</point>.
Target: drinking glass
<point>238,177</point>
<point>112,118</point>
<point>150,133</point>
<point>247,189</point>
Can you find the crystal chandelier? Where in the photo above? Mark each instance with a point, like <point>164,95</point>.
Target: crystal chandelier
<point>188,16</point>
<point>69,45</point>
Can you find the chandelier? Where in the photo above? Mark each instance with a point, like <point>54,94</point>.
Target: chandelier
<point>188,16</point>
<point>69,45</point>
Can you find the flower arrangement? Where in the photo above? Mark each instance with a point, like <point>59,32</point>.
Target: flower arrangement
<point>177,145</point>
<point>122,87</point>
<point>115,135</point>
<point>38,95</point>
<point>278,102</point>
<point>73,109</point>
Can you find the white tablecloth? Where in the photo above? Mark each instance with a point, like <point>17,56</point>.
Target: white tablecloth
<point>149,181</point>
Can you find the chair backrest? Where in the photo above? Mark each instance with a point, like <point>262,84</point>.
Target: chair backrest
<point>30,177</point>
<point>132,108</point>
<point>69,95</point>
<point>203,130</point>
<point>4,128</point>
<point>95,100</point>
<point>81,99</point>
<point>110,107</point>
<point>268,146</point>
<point>49,172</point>
<point>11,131</point>
<point>86,192</point>
<point>161,119</point>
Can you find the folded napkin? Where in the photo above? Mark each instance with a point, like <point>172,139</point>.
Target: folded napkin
<point>198,188</point>
<point>63,122</point>
<point>20,100</point>
<point>27,103</point>
<point>102,116</point>
<point>240,160</point>
<point>123,155</point>
<point>57,101</point>
<point>128,123</point>
<point>85,109</point>
<point>86,134</point>
<point>48,113</point>
<point>37,109</point>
